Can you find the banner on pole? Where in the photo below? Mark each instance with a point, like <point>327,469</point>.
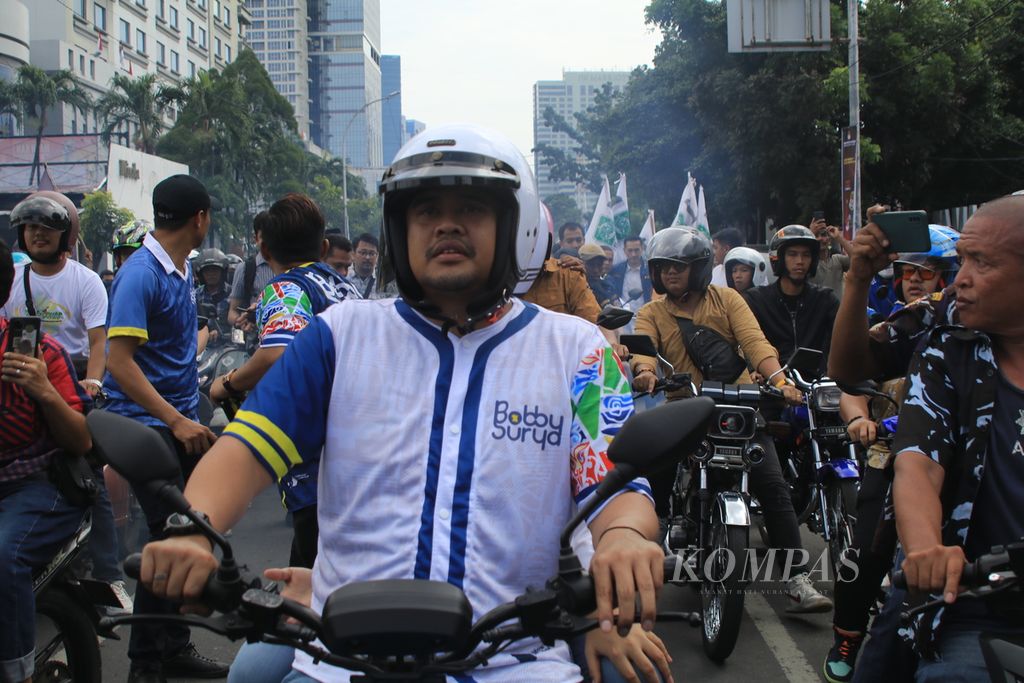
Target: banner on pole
<point>849,172</point>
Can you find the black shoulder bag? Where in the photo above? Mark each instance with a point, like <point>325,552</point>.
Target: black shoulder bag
<point>709,351</point>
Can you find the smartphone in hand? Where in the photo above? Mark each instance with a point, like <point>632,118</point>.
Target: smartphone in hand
<point>24,335</point>
<point>907,231</point>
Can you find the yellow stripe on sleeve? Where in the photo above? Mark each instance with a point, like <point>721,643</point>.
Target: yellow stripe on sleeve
<point>128,332</point>
<point>262,446</point>
<point>280,439</point>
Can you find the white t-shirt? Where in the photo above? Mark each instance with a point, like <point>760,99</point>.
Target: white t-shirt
<point>718,276</point>
<point>70,303</point>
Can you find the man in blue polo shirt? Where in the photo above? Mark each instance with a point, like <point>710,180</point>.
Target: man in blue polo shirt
<point>152,377</point>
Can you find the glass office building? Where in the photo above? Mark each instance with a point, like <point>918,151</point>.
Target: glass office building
<point>392,128</point>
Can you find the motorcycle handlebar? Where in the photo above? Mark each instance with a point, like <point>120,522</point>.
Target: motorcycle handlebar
<point>975,573</point>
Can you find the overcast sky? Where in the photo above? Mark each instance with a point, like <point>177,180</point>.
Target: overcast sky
<point>477,60</point>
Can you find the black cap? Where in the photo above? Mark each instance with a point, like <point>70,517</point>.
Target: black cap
<point>179,197</point>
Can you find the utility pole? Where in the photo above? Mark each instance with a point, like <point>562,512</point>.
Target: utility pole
<point>856,218</point>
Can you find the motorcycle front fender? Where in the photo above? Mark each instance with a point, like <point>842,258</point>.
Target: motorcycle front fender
<point>731,508</point>
<point>840,469</point>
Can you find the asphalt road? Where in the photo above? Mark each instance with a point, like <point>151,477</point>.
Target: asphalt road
<point>773,645</point>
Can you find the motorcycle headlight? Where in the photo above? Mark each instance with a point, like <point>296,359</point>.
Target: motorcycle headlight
<point>827,397</point>
<point>731,424</point>
<point>734,422</point>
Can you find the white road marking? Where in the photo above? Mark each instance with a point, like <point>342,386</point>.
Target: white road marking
<point>785,650</point>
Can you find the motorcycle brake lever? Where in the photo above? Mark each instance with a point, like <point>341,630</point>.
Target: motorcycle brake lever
<point>232,625</point>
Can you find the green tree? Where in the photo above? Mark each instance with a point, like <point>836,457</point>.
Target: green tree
<point>98,219</point>
<point>563,209</point>
<point>141,101</point>
<point>35,92</point>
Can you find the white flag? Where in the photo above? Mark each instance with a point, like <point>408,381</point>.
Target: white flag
<point>602,223</point>
<point>647,232</point>
<point>688,204</point>
<point>702,214</point>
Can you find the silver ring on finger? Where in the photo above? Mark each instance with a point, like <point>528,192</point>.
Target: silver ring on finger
<point>17,371</point>
<point>159,577</point>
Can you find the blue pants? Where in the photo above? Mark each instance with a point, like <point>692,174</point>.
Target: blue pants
<point>959,659</point>
<point>265,663</point>
<point>103,546</point>
<point>35,521</point>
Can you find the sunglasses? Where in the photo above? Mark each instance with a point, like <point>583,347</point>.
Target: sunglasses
<point>925,273</point>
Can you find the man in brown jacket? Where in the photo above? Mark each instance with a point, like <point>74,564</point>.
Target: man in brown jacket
<point>680,263</point>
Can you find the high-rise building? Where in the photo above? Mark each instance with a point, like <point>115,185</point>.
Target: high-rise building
<point>573,94</point>
<point>344,52</point>
<point>14,51</point>
<point>279,37</point>
<point>413,128</point>
<point>392,128</point>
<point>174,39</point>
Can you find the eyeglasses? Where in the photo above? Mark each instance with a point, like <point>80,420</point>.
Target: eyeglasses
<point>366,254</point>
<point>675,267</point>
<point>925,273</point>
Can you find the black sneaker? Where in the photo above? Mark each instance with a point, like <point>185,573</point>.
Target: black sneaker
<point>842,658</point>
<point>190,664</point>
<point>145,673</point>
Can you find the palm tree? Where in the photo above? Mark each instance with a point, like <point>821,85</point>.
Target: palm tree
<point>140,101</point>
<point>36,91</point>
<point>9,104</point>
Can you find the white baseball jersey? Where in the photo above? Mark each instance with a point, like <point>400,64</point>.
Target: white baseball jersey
<point>450,458</point>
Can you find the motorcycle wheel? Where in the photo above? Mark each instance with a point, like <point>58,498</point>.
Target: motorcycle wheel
<point>839,497</point>
<point>721,593</point>
<point>67,650</point>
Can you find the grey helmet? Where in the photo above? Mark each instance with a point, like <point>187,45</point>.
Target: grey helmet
<point>786,237</point>
<point>683,245</point>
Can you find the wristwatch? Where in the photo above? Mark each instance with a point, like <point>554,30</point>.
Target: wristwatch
<point>178,524</point>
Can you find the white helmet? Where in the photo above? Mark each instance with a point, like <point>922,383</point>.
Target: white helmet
<point>748,257</point>
<point>454,155</point>
<point>541,250</point>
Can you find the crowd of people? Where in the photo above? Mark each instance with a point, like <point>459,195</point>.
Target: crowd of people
<point>468,306</point>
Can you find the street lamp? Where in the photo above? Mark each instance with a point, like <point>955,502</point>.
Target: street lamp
<point>344,155</point>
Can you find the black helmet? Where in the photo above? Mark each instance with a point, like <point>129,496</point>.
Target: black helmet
<point>211,257</point>
<point>787,237</point>
<point>683,245</point>
<point>41,211</point>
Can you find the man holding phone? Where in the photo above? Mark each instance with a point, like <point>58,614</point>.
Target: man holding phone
<point>43,410</point>
<point>833,264</point>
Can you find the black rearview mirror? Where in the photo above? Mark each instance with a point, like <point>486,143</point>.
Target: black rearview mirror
<point>612,318</point>
<point>659,437</point>
<point>806,361</point>
<point>639,344</point>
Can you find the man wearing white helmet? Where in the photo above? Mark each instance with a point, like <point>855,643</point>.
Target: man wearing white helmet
<point>469,499</point>
<point>745,268</point>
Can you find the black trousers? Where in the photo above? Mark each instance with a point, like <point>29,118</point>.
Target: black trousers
<point>854,596</point>
<point>306,530</point>
<point>152,643</point>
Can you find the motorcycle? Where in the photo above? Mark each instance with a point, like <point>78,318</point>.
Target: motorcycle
<point>230,351</point>
<point>709,519</point>
<point>69,615</point>
<point>411,631</point>
<point>822,468</point>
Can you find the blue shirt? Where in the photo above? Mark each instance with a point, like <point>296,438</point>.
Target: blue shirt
<point>155,302</point>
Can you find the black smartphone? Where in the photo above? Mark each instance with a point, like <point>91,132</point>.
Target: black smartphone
<point>23,335</point>
<point>907,231</point>
<point>818,215</point>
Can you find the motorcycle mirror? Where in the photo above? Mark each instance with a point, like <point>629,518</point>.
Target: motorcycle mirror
<point>612,317</point>
<point>639,344</point>
<point>136,452</point>
<point>806,361</point>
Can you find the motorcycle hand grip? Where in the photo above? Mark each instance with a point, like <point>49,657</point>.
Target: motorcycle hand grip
<point>215,593</point>
<point>974,575</point>
<point>133,566</point>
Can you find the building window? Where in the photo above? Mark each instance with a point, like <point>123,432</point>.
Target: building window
<point>81,64</point>
<point>191,69</point>
<point>99,17</point>
<point>160,8</point>
<point>227,17</point>
<point>124,31</point>
<point>140,41</point>
<point>71,59</point>
<point>191,30</point>
<point>175,63</point>
<point>80,8</point>
<point>227,53</point>
<point>202,37</point>
<point>161,54</point>
<point>202,4</point>
<point>173,16</point>
<point>92,69</point>
<point>216,50</point>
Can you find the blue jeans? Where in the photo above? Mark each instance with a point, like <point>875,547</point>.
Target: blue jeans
<point>266,663</point>
<point>35,521</point>
<point>886,656</point>
<point>959,659</point>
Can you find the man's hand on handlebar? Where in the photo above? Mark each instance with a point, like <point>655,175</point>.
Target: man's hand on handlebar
<point>793,396</point>
<point>644,382</point>
<point>935,569</point>
<point>640,651</point>
<point>624,564</point>
<point>178,569</point>
<point>863,431</point>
